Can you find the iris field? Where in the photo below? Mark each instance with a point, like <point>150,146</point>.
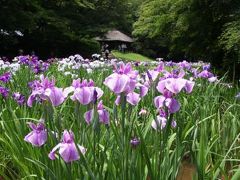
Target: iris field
<point>73,118</point>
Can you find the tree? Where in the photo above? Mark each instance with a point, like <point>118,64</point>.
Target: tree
<point>185,28</point>
<point>62,26</point>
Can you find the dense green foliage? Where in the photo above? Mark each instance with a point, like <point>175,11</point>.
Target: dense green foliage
<point>59,27</point>
<point>191,29</point>
<point>207,132</point>
<point>206,136</point>
<point>173,29</point>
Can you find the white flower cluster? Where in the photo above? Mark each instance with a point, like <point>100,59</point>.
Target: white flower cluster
<point>77,62</point>
<point>70,66</point>
<point>12,67</point>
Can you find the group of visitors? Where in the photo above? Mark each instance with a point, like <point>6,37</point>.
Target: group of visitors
<point>122,47</point>
<point>105,49</point>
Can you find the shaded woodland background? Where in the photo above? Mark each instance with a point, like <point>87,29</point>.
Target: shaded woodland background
<point>207,30</point>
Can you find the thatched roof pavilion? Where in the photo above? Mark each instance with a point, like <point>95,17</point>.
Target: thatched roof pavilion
<point>115,39</point>
<point>115,35</point>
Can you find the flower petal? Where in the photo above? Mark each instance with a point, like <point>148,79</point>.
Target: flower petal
<point>159,101</point>
<point>103,116</point>
<point>143,91</point>
<point>82,149</point>
<point>175,85</point>
<point>51,155</point>
<point>69,152</point>
<point>189,86</point>
<point>118,100</point>
<point>161,86</point>
<point>117,82</point>
<point>159,123</point>
<point>55,95</point>
<point>172,104</point>
<point>88,116</point>
<point>133,98</point>
<point>84,95</point>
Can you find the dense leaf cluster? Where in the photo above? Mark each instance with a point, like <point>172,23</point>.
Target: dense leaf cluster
<point>59,27</point>
<point>192,29</point>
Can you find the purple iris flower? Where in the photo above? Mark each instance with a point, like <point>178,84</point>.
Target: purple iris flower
<point>205,74</point>
<point>23,59</point>
<point>143,90</point>
<point>162,113</point>
<point>5,77</point>
<point>137,64</point>
<point>206,67</point>
<point>149,75</point>
<point>67,148</point>
<point>184,64</point>
<point>33,84</point>
<point>180,73</point>
<point>45,66</point>
<point>160,123</point>
<point>159,101</point>
<point>38,136</point>
<point>118,100</point>
<point>176,73</point>
<point>174,124</point>
<point>152,75</point>
<point>212,79</point>
<point>169,63</point>
<point>36,65</point>
<point>85,92</point>
<point>124,80</point>
<point>175,85</point>
<point>171,103</point>
<point>135,142</point>
<point>169,88</point>
<point>160,67</point>
<point>95,96</point>
<point>36,69</point>
<point>102,113</point>
<point>46,90</point>
<point>4,91</point>
<point>34,59</point>
<point>19,98</point>
<point>195,72</point>
<point>133,98</point>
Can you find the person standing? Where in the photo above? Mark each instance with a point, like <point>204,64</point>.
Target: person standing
<point>106,53</point>
<point>119,48</point>
<point>124,47</point>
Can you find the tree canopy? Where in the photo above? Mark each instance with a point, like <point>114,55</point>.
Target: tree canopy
<point>62,26</point>
<point>192,29</point>
<point>208,30</point>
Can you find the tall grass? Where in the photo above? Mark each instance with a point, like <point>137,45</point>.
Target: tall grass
<point>207,135</point>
